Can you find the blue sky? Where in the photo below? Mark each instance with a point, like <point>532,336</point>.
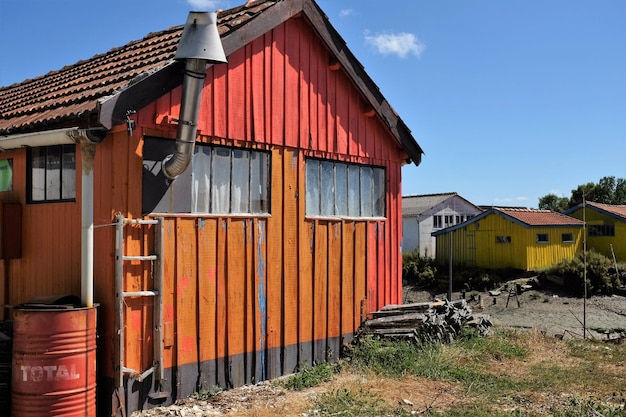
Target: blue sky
<point>510,100</point>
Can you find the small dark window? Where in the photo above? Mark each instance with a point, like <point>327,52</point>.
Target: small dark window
<point>437,222</point>
<point>601,230</point>
<point>52,174</point>
<point>542,238</point>
<point>567,237</point>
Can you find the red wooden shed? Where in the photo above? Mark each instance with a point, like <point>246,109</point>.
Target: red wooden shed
<point>267,251</point>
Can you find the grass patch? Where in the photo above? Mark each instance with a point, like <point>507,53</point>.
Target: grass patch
<point>309,376</point>
<point>346,402</point>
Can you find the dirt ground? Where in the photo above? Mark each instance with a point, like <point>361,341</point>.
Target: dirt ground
<point>544,309</point>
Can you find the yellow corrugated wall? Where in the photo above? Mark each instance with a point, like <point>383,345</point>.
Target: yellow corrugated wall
<point>476,245</point>
<point>602,244</point>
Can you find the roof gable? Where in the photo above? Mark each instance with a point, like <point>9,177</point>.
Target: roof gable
<point>415,205</point>
<point>99,91</point>
<point>614,210</point>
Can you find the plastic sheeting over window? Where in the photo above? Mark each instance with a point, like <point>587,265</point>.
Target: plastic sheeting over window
<point>336,189</point>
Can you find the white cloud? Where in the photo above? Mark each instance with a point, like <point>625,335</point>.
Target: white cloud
<point>204,5</point>
<point>345,12</point>
<point>401,44</point>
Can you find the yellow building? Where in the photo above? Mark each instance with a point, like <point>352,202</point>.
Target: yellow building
<point>606,227</point>
<point>499,238</point>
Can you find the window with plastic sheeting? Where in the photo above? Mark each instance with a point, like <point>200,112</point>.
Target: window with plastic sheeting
<point>230,181</point>
<point>337,189</point>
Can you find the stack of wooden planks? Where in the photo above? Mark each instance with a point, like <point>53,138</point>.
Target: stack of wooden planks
<point>439,321</point>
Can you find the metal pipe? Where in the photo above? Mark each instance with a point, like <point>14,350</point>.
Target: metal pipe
<point>87,152</point>
<point>175,164</point>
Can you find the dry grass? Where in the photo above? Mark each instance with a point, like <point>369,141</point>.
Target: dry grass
<point>538,376</point>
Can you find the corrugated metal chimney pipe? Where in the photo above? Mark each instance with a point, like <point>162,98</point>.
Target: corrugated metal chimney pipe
<point>200,44</point>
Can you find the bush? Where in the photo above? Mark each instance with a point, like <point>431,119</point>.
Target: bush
<point>417,270</point>
<point>601,275</point>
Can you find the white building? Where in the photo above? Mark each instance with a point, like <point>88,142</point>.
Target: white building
<point>427,213</point>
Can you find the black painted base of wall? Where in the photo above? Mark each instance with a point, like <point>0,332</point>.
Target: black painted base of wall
<point>225,373</point>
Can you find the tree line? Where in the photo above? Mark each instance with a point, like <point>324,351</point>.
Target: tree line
<point>609,190</point>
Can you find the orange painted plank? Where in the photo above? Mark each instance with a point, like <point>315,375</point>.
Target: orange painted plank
<point>205,116</point>
<point>169,296</point>
<point>222,271</point>
<point>207,300</point>
<point>260,277</point>
<point>360,275</point>
<point>236,298</point>
<point>306,312</point>
<point>334,286</point>
<point>275,270</point>
<point>347,279</point>
<point>381,279</point>
<point>290,260</point>
<point>320,289</point>
<point>372,267</point>
<point>186,304</point>
<point>250,325</point>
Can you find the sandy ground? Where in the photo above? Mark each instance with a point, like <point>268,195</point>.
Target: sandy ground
<point>547,310</point>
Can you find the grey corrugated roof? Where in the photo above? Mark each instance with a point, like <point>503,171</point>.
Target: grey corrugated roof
<point>414,205</point>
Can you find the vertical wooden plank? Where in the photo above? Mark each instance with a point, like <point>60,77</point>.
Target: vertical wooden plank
<point>331,112</point>
<point>205,115</point>
<point>275,270</point>
<point>207,302</point>
<point>394,184</point>
<point>250,295</point>
<point>347,281</point>
<point>277,86</point>
<point>304,128</point>
<point>236,98</point>
<point>186,306</point>
<point>235,296</point>
<point>221,312</point>
<point>292,84</point>
<point>220,100</point>
<point>381,280</point>
<point>320,137</point>
<point>305,288</point>
<point>257,89</point>
<point>343,113</point>
<point>169,307</point>
<point>360,275</point>
<point>334,288</point>
<point>320,290</point>
<point>260,267</point>
<point>372,267</point>
<point>290,261</point>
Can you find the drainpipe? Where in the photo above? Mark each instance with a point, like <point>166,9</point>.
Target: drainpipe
<point>199,45</point>
<point>87,153</point>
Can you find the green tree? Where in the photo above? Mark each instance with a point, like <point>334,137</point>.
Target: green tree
<point>554,202</point>
<point>609,190</point>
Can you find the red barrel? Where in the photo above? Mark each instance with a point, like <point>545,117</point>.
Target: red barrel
<point>54,362</point>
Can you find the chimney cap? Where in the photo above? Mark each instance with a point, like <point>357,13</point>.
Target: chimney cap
<point>200,39</point>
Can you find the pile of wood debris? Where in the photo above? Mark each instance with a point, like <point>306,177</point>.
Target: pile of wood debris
<point>439,321</point>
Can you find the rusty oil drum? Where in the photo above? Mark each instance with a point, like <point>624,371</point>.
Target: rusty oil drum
<point>54,362</point>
